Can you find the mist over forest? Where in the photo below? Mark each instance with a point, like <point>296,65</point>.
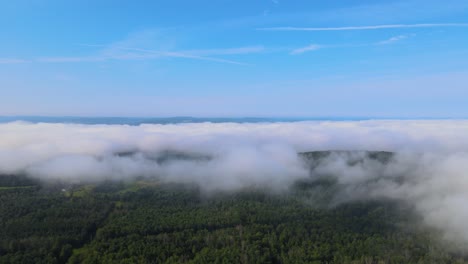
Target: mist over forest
<point>419,163</point>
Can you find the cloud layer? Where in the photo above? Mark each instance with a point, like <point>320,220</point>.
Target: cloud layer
<point>429,171</point>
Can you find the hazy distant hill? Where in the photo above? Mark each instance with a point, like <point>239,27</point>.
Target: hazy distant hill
<point>163,120</point>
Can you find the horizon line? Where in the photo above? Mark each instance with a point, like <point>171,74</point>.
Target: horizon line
<point>324,117</point>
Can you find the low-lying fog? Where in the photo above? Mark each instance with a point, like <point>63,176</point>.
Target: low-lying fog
<point>429,169</point>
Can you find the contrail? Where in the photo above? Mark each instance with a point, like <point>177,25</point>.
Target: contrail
<point>364,27</point>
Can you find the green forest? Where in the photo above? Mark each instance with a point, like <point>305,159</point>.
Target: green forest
<point>146,221</point>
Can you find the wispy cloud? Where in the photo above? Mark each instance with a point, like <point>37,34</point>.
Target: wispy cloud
<point>153,54</point>
<point>131,53</point>
<point>71,59</point>
<point>376,27</point>
<point>227,51</point>
<point>12,61</point>
<point>314,47</point>
<point>311,47</point>
<point>149,44</point>
<point>392,40</point>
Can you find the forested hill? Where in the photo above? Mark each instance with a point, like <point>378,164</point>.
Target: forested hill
<point>146,221</point>
<point>352,156</point>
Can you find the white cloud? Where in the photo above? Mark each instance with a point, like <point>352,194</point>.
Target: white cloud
<point>131,53</point>
<point>151,45</point>
<point>311,47</point>
<point>429,171</point>
<point>364,27</point>
<point>151,54</point>
<point>393,40</point>
<point>226,51</point>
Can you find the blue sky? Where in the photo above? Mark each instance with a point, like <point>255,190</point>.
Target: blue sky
<point>234,58</point>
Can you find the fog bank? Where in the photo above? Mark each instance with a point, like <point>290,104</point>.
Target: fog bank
<point>428,171</point>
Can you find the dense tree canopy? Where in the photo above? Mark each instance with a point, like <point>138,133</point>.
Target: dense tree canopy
<point>147,222</point>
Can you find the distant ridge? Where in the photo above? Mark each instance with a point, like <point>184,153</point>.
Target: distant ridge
<point>174,120</point>
<point>353,157</point>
